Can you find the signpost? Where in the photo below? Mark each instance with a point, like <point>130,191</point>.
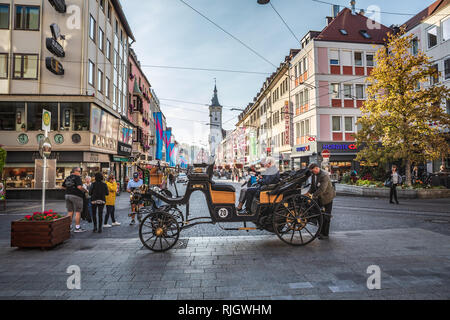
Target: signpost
<point>326,154</point>
<point>45,149</point>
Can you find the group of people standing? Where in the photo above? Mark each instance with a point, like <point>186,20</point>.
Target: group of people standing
<point>92,197</point>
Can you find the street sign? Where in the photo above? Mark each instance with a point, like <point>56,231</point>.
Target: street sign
<point>326,154</point>
<point>46,120</point>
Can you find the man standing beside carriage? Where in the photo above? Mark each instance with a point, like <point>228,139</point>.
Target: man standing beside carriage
<point>322,189</point>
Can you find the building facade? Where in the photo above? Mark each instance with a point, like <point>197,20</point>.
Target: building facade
<point>70,60</point>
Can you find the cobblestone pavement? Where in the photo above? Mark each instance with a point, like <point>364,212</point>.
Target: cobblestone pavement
<point>409,242</point>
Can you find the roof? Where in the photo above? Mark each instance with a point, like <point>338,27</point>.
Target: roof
<point>123,19</point>
<point>425,13</point>
<point>353,24</point>
<point>215,99</point>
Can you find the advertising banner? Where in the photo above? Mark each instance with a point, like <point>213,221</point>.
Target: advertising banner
<point>167,137</point>
<point>159,134</point>
<point>171,152</point>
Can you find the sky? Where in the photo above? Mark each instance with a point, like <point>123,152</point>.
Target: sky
<point>169,33</point>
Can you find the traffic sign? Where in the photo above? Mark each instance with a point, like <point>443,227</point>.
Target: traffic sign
<point>46,120</point>
<point>326,154</point>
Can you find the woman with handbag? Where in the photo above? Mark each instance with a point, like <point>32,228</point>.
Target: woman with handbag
<point>394,180</point>
<point>98,193</point>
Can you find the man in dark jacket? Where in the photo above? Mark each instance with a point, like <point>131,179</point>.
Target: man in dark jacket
<point>322,190</point>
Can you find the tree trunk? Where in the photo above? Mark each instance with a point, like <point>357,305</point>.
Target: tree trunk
<point>408,173</point>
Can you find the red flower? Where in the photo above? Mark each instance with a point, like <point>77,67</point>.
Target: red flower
<point>50,210</point>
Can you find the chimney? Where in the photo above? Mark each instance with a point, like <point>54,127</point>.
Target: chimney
<point>329,19</point>
<point>353,3</point>
<point>362,12</point>
<point>335,10</point>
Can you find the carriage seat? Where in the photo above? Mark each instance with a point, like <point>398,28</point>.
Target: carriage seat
<point>222,187</point>
<point>269,187</point>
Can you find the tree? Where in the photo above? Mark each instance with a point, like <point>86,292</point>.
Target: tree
<point>402,117</point>
<point>2,161</point>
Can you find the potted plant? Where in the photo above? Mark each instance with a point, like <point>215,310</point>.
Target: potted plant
<point>40,230</point>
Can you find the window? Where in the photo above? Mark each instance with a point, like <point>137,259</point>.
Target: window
<point>12,116</point>
<point>348,124</point>
<point>305,64</point>
<point>4,16</point>
<point>100,80</point>
<point>102,5</point>
<point>26,66</point>
<point>108,49</point>
<point>343,32</point>
<point>335,94</point>
<point>34,115</point>
<point>358,125</point>
<point>358,59</point>
<point>348,91</point>
<point>101,36</point>
<point>369,60</point>
<point>446,29</point>
<point>448,106</point>
<point>92,28</point>
<point>336,123</point>
<point>307,127</point>
<point>415,46</point>
<point>432,37</point>
<point>3,65</point>
<point>435,77</point>
<point>334,57</point>
<point>75,116</point>
<point>107,87</point>
<point>109,12</point>
<point>359,91</point>
<point>91,76</point>
<point>117,27</point>
<point>447,68</point>
<point>27,18</point>
<point>365,34</point>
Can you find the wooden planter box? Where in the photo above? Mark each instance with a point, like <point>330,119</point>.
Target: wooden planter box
<point>40,234</point>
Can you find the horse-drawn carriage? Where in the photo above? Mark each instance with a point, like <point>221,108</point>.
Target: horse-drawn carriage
<point>280,209</point>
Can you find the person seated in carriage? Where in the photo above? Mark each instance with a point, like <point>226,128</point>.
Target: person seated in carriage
<point>270,176</point>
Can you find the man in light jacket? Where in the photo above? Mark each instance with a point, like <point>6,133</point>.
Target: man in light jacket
<point>322,190</point>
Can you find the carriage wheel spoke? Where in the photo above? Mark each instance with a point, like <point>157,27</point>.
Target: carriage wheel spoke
<point>149,238</point>
<point>301,237</point>
<point>308,232</point>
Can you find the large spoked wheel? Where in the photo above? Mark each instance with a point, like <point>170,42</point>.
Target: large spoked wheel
<point>159,231</point>
<point>297,220</point>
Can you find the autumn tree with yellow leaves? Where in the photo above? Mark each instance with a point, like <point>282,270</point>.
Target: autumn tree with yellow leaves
<point>402,117</point>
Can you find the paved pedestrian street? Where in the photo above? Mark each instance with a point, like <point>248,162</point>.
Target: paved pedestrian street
<point>410,243</point>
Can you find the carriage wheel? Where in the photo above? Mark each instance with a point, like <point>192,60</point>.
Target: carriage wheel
<point>297,220</point>
<point>159,231</point>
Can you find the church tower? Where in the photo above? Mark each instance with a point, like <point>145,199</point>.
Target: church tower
<point>215,124</point>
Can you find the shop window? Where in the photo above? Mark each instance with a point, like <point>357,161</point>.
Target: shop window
<point>27,18</point>
<point>74,116</point>
<point>34,115</point>
<point>19,177</point>
<point>12,116</point>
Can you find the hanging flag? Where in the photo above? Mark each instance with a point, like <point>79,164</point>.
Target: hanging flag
<point>159,134</point>
<point>172,161</point>
<point>167,137</point>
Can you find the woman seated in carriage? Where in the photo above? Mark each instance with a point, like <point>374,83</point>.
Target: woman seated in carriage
<point>270,176</point>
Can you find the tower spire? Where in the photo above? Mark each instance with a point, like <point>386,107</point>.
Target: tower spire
<point>215,99</point>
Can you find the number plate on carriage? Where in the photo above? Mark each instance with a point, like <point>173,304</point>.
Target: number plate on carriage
<point>197,186</point>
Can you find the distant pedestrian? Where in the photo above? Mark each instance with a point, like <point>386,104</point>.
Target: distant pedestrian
<point>87,205</point>
<point>396,179</point>
<point>74,196</point>
<point>322,190</point>
<point>415,174</point>
<point>111,202</point>
<point>98,193</point>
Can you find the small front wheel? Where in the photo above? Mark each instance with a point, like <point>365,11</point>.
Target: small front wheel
<point>159,231</point>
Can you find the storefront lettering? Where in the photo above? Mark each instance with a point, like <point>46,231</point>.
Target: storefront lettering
<point>339,147</point>
<point>303,149</point>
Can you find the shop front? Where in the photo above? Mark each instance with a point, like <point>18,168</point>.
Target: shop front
<point>122,164</point>
<point>341,157</point>
<point>304,154</point>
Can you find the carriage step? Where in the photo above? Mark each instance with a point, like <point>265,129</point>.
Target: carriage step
<point>239,229</point>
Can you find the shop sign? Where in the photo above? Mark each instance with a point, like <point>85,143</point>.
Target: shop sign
<point>303,149</point>
<point>46,120</point>
<point>343,147</point>
<point>287,123</point>
<point>54,66</point>
<point>95,157</point>
<point>120,159</point>
<point>124,149</point>
<point>59,5</point>
<point>54,47</point>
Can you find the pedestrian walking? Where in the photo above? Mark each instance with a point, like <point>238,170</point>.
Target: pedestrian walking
<point>87,205</point>
<point>111,202</point>
<point>98,193</point>
<point>395,179</point>
<point>322,190</point>
<point>74,196</point>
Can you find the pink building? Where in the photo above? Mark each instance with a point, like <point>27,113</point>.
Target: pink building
<point>328,88</point>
